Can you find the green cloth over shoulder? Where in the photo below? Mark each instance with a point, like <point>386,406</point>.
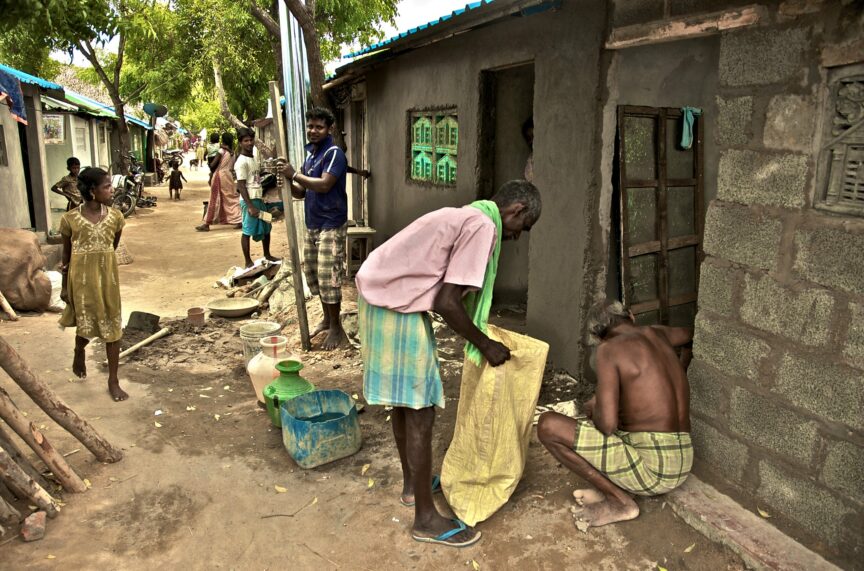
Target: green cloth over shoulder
<point>479,303</point>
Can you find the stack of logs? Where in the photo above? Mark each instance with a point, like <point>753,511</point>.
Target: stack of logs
<point>20,480</point>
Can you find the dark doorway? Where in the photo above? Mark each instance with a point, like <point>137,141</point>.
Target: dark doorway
<point>658,226</point>
<point>506,102</point>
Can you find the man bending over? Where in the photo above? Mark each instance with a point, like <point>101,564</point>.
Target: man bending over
<point>444,262</point>
<point>636,439</point>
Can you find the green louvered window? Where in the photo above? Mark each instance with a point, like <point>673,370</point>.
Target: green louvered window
<point>434,142</point>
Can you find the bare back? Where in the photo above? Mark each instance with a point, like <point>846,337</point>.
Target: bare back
<point>653,393</point>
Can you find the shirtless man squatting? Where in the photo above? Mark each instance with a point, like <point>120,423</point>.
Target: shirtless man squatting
<point>636,437</point>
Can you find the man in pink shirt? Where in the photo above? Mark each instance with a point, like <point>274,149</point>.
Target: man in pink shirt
<point>444,262</point>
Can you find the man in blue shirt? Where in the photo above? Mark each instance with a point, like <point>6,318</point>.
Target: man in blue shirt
<point>321,182</point>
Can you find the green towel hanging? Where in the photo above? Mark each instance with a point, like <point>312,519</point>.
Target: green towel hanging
<point>688,116</point>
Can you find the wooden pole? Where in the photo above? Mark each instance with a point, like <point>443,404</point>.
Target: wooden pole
<point>12,449</point>
<point>48,401</point>
<point>287,200</point>
<point>40,445</point>
<point>20,483</point>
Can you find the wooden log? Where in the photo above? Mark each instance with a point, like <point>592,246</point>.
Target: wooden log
<point>271,287</point>
<point>6,308</point>
<point>6,493</point>
<point>22,484</point>
<point>48,401</point>
<point>40,445</point>
<point>8,513</point>
<point>7,444</point>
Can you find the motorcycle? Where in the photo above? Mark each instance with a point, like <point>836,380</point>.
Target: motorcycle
<point>129,189</point>
<point>172,157</point>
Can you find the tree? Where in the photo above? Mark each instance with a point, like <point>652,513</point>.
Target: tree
<point>87,25</point>
<point>328,25</point>
<point>27,53</point>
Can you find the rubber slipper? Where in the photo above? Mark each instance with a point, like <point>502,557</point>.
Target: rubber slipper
<point>436,489</point>
<point>442,539</point>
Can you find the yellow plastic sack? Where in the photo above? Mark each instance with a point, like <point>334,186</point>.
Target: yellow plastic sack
<point>486,459</point>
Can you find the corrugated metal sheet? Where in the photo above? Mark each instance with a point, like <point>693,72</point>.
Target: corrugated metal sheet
<point>101,109</point>
<point>51,103</point>
<point>384,43</point>
<point>31,79</point>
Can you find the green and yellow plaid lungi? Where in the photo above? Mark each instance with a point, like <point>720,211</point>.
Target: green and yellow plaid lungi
<point>642,463</point>
<point>400,360</point>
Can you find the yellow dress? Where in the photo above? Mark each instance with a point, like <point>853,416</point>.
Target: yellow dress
<point>93,285</point>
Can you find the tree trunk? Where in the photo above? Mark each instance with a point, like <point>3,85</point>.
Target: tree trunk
<point>124,137</point>
<point>40,445</point>
<point>23,485</point>
<point>43,396</point>
<point>223,101</point>
<point>7,444</point>
<point>113,88</point>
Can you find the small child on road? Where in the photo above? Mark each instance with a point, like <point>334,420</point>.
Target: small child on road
<point>174,182</point>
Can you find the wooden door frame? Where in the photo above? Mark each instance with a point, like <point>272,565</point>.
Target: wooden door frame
<point>660,183</point>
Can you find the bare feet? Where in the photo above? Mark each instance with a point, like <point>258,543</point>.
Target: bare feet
<point>238,226</point>
<point>203,228</point>
<point>117,393</point>
<point>79,366</point>
<point>606,512</point>
<point>335,338</point>
<point>249,263</point>
<point>587,496</point>
<point>273,258</point>
<point>320,328</point>
<point>426,532</point>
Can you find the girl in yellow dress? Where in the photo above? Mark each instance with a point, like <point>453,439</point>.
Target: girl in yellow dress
<point>91,288</point>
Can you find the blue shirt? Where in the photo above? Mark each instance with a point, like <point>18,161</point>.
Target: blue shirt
<point>328,209</point>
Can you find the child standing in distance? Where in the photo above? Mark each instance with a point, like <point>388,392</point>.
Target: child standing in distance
<point>174,182</point>
<point>67,187</point>
<point>91,286</point>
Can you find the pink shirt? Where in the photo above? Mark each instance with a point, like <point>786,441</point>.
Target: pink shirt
<point>450,245</point>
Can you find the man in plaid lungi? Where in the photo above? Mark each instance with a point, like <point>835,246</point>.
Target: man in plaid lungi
<point>321,182</point>
<point>636,437</point>
<point>445,262</point>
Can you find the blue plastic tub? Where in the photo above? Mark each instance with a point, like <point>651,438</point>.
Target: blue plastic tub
<point>319,427</point>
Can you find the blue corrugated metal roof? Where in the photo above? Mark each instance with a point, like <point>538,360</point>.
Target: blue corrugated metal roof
<point>110,109</point>
<point>31,79</point>
<point>384,43</point>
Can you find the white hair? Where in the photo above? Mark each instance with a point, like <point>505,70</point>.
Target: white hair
<point>602,317</point>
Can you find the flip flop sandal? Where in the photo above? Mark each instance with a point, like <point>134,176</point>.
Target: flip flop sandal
<point>436,489</point>
<point>442,539</point>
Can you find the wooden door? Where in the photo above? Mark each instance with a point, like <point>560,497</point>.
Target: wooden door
<point>661,213</point>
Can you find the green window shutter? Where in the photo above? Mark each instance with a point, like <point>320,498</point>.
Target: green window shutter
<point>434,142</point>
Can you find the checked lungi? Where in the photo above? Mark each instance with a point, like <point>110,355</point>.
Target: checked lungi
<point>642,463</point>
<point>400,359</point>
<point>324,262</point>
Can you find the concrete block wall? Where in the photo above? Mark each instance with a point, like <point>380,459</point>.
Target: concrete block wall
<point>777,381</point>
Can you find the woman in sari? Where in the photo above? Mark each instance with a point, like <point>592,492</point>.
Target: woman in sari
<point>224,205</point>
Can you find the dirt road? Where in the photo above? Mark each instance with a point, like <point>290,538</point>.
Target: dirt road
<point>197,490</point>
